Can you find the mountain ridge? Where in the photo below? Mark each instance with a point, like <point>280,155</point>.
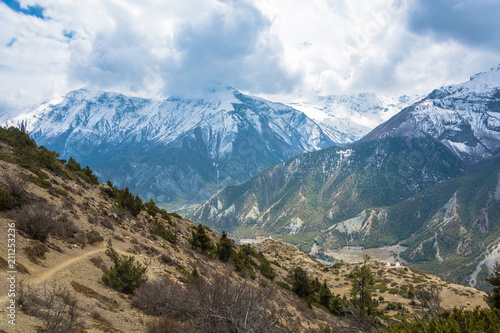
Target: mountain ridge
<point>350,195</point>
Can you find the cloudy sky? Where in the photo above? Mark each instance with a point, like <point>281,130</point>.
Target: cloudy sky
<point>277,48</point>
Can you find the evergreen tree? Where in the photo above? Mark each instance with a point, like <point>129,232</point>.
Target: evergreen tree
<point>325,296</point>
<point>224,248</point>
<point>300,282</point>
<point>151,207</point>
<point>361,288</point>
<point>201,240</point>
<point>125,275</point>
<point>493,299</point>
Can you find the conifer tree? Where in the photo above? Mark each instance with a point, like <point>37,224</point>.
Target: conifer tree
<point>361,288</point>
<point>201,240</point>
<point>493,299</point>
<point>224,248</point>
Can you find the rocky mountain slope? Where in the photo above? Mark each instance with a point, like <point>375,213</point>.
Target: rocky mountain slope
<point>175,149</point>
<point>463,117</point>
<point>59,277</point>
<point>353,195</point>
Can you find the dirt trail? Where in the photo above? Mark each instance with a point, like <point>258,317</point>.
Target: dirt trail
<point>66,263</point>
<point>50,272</point>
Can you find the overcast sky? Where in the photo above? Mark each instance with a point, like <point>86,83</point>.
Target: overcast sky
<point>272,48</point>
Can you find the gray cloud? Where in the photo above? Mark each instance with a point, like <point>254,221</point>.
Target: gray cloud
<point>230,47</point>
<point>118,58</point>
<point>473,23</point>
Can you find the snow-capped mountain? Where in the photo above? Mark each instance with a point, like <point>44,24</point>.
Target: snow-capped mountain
<point>347,118</point>
<point>464,117</point>
<point>173,149</point>
<point>428,179</point>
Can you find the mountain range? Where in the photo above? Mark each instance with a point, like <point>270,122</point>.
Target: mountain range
<point>183,150</point>
<point>174,149</point>
<point>427,179</point>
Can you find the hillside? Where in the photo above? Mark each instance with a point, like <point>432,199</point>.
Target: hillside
<point>69,260</point>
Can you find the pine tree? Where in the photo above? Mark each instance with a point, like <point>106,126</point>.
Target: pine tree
<point>201,240</point>
<point>300,282</point>
<point>361,288</point>
<point>126,275</point>
<point>493,299</point>
<point>224,248</point>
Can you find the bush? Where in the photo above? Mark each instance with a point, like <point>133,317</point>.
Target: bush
<point>85,173</point>
<point>224,248</point>
<point>125,275</point>
<point>6,200</point>
<point>200,240</point>
<point>127,201</point>
<point>300,282</point>
<point>167,324</point>
<point>165,233</point>
<point>151,207</point>
<point>219,306</point>
<point>16,186</point>
<point>55,305</point>
<point>38,222</point>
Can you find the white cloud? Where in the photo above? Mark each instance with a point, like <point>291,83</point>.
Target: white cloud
<point>289,47</point>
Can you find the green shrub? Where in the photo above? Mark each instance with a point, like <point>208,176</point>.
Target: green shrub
<point>85,173</point>
<point>265,266</point>
<point>126,275</point>
<point>165,233</point>
<point>6,200</point>
<point>200,240</point>
<point>284,285</point>
<point>151,207</point>
<point>224,248</point>
<point>60,191</point>
<point>456,320</point>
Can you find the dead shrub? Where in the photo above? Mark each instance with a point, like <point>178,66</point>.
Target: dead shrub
<point>219,306</point>
<point>54,304</point>
<point>38,222</point>
<point>17,186</point>
<point>167,260</point>
<point>107,223</point>
<point>94,237</point>
<point>35,251</point>
<point>166,324</point>
<point>92,219</point>
<point>99,263</point>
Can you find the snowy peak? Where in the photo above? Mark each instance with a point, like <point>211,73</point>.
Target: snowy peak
<point>177,148</point>
<point>347,118</point>
<point>464,117</point>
